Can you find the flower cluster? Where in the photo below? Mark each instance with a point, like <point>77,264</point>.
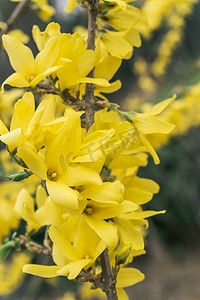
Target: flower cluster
<point>86,185</point>
<point>92,190</point>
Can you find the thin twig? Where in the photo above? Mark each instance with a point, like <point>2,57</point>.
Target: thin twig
<point>14,17</point>
<point>34,247</point>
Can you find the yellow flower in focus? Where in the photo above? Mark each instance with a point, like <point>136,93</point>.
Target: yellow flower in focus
<point>29,71</point>
<point>70,258</point>
<point>74,59</point>
<point>25,124</point>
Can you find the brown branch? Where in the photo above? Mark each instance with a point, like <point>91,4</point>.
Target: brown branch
<point>34,247</point>
<point>19,10</point>
<point>109,281</point>
<point>93,6</point>
<point>108,284</point>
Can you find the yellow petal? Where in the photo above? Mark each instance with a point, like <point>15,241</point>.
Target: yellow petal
<point>137,195</point>
<point>41,271</point>
<point>62,194</point>
<point>54,211</point>
<point>104,230</point>
<point>41,76</point>
<point>45,59</point>
<point>97,81</point>
<point>128,234</point>
<point>63,244</point>
<point>107,193</point>
<point>108,67</point>
<point>13,138</point>
<point>149,124</point>
<point>25,60</point>
<point>128,276</point>
<point>33,161</point>
<point>73,269</point>
<point>129,161</point>
<point>35,121</point>
<point>95,140</point>
<point>86,62</point>
<point>121,294</point>
<point>113,211</point>
<point>114,86</point>
<point>116,45</point>
<point>16,79</point>
<point>25,207</point>
<point>59,259</point>
<point>143,214</point>
<point>145,184</point>
<point>42,216</point>
<point>150,149</point>
<point>3,128</point>
<point>133,37</point>
<point>160,107</point>
<point>95,247</point>
<point>41,196</point>
<point>78,175</point>
<point>23,112</point>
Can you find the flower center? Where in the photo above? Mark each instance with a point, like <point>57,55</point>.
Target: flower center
<point>88,210</point>
<point>30,77</point>
<point>52,175</point>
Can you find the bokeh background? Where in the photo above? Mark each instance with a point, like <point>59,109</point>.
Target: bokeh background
<point>172,262</point>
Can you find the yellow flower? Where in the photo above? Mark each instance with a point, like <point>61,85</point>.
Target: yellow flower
<point>106,202</point>
<point>73,57</point>
<point>29,71</point>
<point>70,258</point>
<point>26,123</point>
